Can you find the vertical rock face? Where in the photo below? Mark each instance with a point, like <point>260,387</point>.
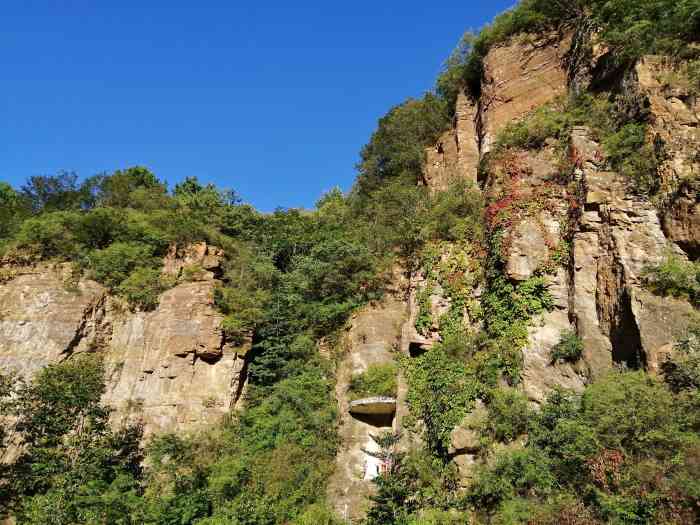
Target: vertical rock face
<point>619,234</point>
<point>675,119</point>
<point>43,319</point>
<point>528,182</point>
<point>520,76</point>
<point>455,156</point>
<point>373,337</point>
<point>171,369</point>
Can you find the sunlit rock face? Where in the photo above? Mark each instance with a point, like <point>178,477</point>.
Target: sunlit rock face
<point>372,338</point>
<point>520,75</point>
<point>455,156</point>
<point>171,369</point>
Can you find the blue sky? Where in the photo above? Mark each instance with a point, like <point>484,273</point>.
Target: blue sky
<point>272,99</point>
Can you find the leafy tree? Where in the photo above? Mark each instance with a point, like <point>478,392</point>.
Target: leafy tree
<point>12,210</point>
<point>396,148</point>
<point>135,187</point>
<point>73,468</point>
<point>53,192</point>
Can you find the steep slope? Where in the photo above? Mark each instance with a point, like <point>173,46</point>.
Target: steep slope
<point>170,370</point>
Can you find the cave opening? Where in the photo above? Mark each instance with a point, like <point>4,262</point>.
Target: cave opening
<point>625,337</point>
<point>416,349</point>
<point>376,420</point>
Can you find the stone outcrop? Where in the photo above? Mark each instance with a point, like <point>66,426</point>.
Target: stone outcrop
<point>455,156</point>
<point>519,76</point>
<point>171,369</point>
<point>527,184</point>
<point>200,260</point>
<point>619,235</point>
<point>44,317</point>
<point>373,337</point>
<point>675,126</point>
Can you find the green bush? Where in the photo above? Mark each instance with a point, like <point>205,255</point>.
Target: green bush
<point>569,348</point>
<point>675,277</point>
<point>546,122</point>
<point>112,265</point>
<point>633,412</point>
<point>417,487</point>
<point>514,473</point>
<point>100,227</point>
<point>377,380</point>
<point>143,287</point>
<point>441,392</point>
<point>397,147</point>
<point>629,154</point>
<point>508,415</point>
<point>50,235</point>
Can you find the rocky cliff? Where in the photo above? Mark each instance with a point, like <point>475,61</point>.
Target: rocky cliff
<point>171,369</point>
<point>567,241</point>
<point>588,233</point>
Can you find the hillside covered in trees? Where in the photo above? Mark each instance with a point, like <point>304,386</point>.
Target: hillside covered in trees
<point>528,392</point>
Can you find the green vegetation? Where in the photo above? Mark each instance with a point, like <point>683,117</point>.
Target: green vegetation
<point>675,277</point>
<point>72,467</point>
<point>397,149</point>
<point>377,380</point>
<point>624,451</point>
<point>621,453</point>
<point>682,372</point>
<point>569,349</point>
<point>508,415</point>
<point>546,122</point>
<point>441,392</point>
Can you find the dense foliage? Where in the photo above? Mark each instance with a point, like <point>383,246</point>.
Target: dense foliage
<point>377,380</point>
<point>624,451</point>
<point>72,467</point>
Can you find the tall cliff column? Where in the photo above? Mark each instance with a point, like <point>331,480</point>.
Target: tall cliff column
<point>373,338</point>
<point>455,156</point>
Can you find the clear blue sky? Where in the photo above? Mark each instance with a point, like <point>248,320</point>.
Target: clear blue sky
<point>271,98</point>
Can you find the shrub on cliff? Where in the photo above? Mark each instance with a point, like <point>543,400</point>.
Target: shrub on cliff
<point>377,380</point>
<point>112,265</point>
<point>675,277</point>
<point>569,348</point>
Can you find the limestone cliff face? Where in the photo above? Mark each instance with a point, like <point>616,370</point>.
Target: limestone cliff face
<point>519,76</point>
<point>455,156</point>
<point>171,369</point>
<point>374,335</point>
<point>675,119</point>
<point>608,233</point>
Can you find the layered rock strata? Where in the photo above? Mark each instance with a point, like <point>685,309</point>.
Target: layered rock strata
<point>171,369</point>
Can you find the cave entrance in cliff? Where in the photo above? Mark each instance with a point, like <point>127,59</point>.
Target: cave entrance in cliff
<point>416,349</point>
<point>375,411</point>
<point>376,420</point>
<point>625,337</point>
